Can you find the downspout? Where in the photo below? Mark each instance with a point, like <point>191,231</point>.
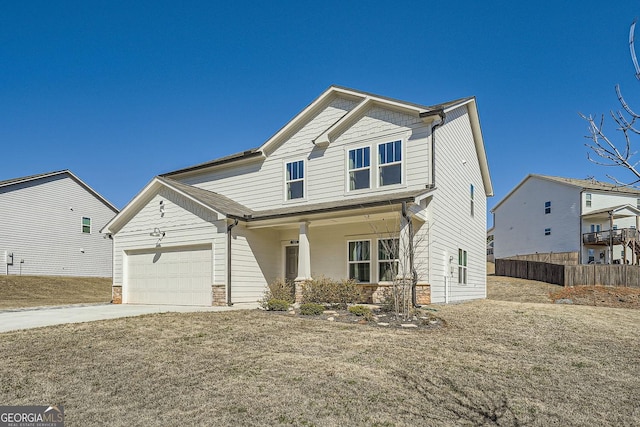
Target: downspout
<point>414,273</point>
<point>443,116</point>
<point>229,228</point>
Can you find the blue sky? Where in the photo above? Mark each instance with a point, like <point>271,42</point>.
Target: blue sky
<point>119,92</point>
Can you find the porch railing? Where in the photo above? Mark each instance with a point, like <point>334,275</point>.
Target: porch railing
<point>617,237</point>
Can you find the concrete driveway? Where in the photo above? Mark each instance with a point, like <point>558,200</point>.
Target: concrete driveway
<point>27,318</point>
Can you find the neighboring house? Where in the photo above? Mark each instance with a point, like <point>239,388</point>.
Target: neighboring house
<point>547,214</point>
<point>490,240</point>
<point>330,194</point>
<point>50,225</point>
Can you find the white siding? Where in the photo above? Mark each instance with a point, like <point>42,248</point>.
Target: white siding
<point>255,262</point>
<point>184,223</point>
<point>41,224</point>
<point>520,221</point>
<point>452,226</point>
<point>260,185</point>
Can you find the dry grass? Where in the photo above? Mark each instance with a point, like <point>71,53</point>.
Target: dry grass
<point>519,290</point>
<point>496,363</point>
<point>33,291</point>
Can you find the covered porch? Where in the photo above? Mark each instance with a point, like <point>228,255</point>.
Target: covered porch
<point>375,244</point>
<point>610,229</point>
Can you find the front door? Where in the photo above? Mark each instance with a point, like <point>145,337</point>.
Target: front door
<point>291,263</point>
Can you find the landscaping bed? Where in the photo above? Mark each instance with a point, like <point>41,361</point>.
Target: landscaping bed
<point>423,318</point>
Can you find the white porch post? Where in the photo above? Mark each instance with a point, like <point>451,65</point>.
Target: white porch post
<point>304,253</point>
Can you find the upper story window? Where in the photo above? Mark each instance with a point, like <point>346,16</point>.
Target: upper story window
<point>295,180</point>
<point>471,197</point>
<point>86,225</point>
<point>638,203</point>
<point>595,228</point>
<point>359,168</point>
<point>587,200</point>
<point>390,163</point>
<point>547,208</point>
<point>547,232</point>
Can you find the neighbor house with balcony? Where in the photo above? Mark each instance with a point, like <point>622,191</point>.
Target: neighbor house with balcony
<point>595,221</point>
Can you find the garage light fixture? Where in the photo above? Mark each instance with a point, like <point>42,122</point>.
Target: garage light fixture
<point>157,233</point>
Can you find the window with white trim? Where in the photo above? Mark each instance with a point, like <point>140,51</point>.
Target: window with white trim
<point>587,200</point>
<point>471,191</point>
<point>462,267</point>
<point>295,180</point>
<point>547,208</point>
<point>86,225</point>
<point>595,228</point>
<point>638,203</point>
<point>360,260</point>
<point>388,259</point>
<point>390,163</point>
<point>360,168</point>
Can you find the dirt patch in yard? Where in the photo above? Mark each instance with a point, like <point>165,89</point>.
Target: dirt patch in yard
<point>502,288</point>
<point>36,291</point>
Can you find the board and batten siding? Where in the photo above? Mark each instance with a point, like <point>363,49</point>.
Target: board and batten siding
<point>452,226</point>
<point>41,224</point>
<point>255,262</point>
<point>184,223</point>
<point>520,221</point>
<point>259,184</point>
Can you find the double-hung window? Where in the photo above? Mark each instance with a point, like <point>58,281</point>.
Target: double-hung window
<point>86,225</point>
<point>388,259</point>
<point>295,180</point>
<point>462,266</point>
<point>587,200</point>
<point>359,168</point>
<point>360,260</point>
<point>547,208</point>
<point>390,163</point>
<point>471,191</point>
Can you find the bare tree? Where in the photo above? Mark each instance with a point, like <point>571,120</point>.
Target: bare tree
<point>614,154</point>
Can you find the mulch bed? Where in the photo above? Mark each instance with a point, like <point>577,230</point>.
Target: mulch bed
<point>424,318</point>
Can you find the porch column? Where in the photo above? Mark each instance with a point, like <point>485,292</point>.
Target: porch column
<point>304,253</point>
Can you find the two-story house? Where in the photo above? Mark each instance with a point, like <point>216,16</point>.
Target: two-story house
<point>50,226</point>
<point>546,214</point>
<point>350,177</point>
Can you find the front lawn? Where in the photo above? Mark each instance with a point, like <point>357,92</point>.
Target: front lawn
<point>494,363</point>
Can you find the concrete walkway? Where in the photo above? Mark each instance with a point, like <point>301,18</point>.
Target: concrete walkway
<point>27,318</point>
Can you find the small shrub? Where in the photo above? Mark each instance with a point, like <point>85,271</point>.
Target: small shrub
<point>359,310</point>
<point>277,305</point>
<point>323,290</point>
<point>311,309</point>
<point>279,290</point>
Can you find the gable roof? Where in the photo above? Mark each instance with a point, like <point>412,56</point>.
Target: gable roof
<point>620,211</point>
<point>580,184</point>
<point>31,178</point>
<point>365,100</point>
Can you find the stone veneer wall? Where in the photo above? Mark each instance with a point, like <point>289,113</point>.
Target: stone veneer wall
<point>116,294</point>
<point>219,295</point>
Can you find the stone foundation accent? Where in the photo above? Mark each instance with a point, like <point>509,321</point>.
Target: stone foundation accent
<point>218,295</point>
<point>298,295</point>
<point>116,294</point>
<point>374,293</point>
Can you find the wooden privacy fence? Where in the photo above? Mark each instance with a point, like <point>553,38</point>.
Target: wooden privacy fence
<point>571,275</point>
